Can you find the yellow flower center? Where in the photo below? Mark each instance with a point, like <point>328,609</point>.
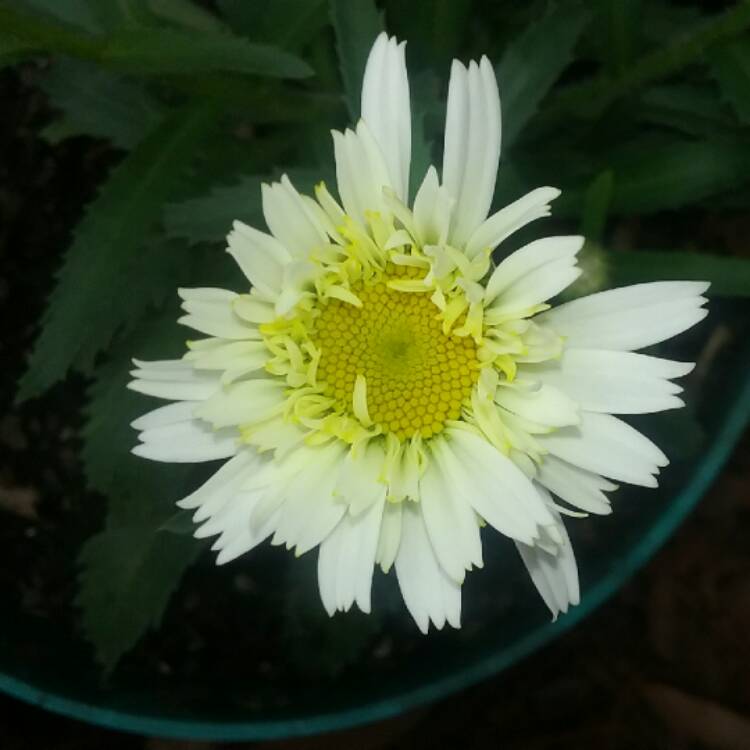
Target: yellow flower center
<point>416,376</point>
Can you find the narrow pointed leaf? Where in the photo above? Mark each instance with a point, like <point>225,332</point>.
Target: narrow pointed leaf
<point>98,103</point>
<point>89,303</point>
<point>533,63</point>
<point>356,23</point>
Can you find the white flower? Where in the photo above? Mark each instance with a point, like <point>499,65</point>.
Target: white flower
<point>382,391</point>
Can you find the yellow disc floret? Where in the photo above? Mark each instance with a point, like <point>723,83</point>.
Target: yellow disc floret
<point>416,377</point>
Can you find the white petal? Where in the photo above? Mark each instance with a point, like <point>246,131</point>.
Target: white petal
<point>241,535</point>
<point>429,592</point>
<point>347,558</point>
<point>359,481</point>
<point>311,510</point>
<point>187,442</point>
<point>390,536</point>
<point>242,403</point>
<point>182,411</point>
<point>211,496</point>
<point>472,145</point>
<point>576,486</point>
<point>289,220</point>
<point>606,445</point>
<point>613,382</point>
<point>498,490</point>
<point>506,221</point>
<point>176,380</point>
<point>386,108</point>
<point>361,172</point>
<point>260,257</point>
<point>210,311</point>
<point>554,575</point>
<point>546,405</point>
<point>449,518</point>
<point>533,274</point>
<point>432,211</point>
<point>630,317</point>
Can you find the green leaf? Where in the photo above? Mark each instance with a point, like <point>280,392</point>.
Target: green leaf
<point>591,98</point>
<point>185,13</point>
<point>13,50</point>
<point>128,573</point>
<point>688,108</point>
<point>98,103</point>
<point>425,107</point>
<point>162,51</point>
<point>77,13</point>
<point>596,206</point>
<point>209,218</point>
<point>156,51</point>
<point>356,23</point>
<point>730,65</point>
<point>534,61</point>
<point>618,28</point>
<point>90,302</point>
<point>729,277</point>
<point>663,174</point>
<point>129,570</point>
<point>289,23</point>
<point>677,174</point>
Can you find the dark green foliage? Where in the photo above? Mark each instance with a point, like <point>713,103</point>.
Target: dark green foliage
<point>534,61</point>
<point>289,23</point>
<point>731,68</point>
<point>209,218</point>
<point>156,51</point>
<point>633,107</point>
<point>356,23</point>
<point>729,277</point>
<point>99,103</point>
<point>129,572</point>
<point>87,306</point>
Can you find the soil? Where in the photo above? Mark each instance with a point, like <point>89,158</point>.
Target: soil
<point>662,665</point>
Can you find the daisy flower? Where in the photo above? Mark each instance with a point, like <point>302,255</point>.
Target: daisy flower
<point>381,391</point>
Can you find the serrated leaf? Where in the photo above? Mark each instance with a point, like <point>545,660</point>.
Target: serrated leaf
<point>98,103</point>
<point>76,13</point>
<point>107,435</point>
<point>185,13</point>
<point>128,574</point>
<point>590,98</point>
<point>534,61</point>
<point>288,23</point>
<point>661,174</point>
<point>130,568</point>
<point>677,174</point>
<point>170,51</point>
<point>209,218</point>
<point>730,65</point>
<point>356,23</point>
<point>618,29</point>
<point>155,51</point>
<point>89,303</point>
<point>686,107</point>
<point>729,276</point>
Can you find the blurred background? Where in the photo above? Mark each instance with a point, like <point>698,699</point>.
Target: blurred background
<point>134,131</point>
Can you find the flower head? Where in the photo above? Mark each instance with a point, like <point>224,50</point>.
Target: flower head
<point>382,391</point>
